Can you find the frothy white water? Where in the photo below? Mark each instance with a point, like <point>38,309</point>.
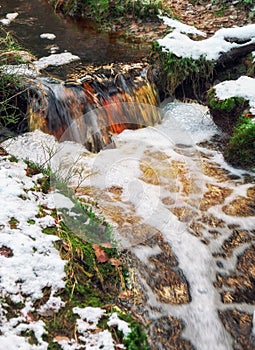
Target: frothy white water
<point>155,171</point>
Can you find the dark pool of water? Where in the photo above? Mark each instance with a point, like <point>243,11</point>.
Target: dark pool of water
<point>37,17</point>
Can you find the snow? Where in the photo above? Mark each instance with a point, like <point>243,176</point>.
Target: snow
<point>122,326</point>
<point>34,263</point>
<point>242,87</point>
<point>90,314</point>
<point>86,326</point>
<point>181,27</point>
<point>211,49</point>
<point>29,262</point>
<point>33,69</point>
<point>49,36</point>
<point>9,18</point>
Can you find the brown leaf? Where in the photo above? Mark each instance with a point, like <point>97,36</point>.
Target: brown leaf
<point>115,262</point>
<point>3,152</point>
<point>29,317</point>
<point>6,252</point>
<point>100,254</point>
<point>106,245</point>
<point>125,294</point>
<point>58,338</point>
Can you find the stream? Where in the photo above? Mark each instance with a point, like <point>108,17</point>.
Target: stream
<point>182,214</point>
<point>78,37</point>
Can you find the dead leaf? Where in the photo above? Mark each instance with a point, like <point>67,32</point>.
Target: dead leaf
<point>29,317</point>
<point>59,338</point>
<point>100,254</point>
<point>106,245</point>
<point>115,262</point>
<point>5,251</point>
<point>125,295</point>
<point>3,152</point>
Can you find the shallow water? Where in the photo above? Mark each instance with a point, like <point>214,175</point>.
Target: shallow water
<point>80,38</point>
<point>186,217</point>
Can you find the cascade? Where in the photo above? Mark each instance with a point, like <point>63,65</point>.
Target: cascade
<point>90,109</point>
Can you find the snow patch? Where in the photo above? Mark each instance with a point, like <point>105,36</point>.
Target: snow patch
<point>122,326</point>
<point>33,69</point>
<point>48,36</point>
<point>181,27</point>
<point>9,18</point>
<point>242,87</point>
<point>212,48</point>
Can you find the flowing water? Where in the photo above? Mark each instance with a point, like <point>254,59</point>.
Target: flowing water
<point>100,105</point>
<point>184,217</point>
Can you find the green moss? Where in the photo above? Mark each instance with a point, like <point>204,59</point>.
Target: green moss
<point>176,72</point>
<point>13,223</point>
<point>30,335</point>
<point>227,105</point>
<point>137,339</point>
<point>50,230</point>
<point>13,159</point>
<point>240,150</point>
<point>226,112</point>
<point>54,346</point>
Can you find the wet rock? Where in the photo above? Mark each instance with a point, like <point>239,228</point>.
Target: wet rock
<point>215,195</point>
<point>239,287</point>
<point>241,206</point>
<point>238,238</point>
<point>239,325</point>
<point>167,331</point>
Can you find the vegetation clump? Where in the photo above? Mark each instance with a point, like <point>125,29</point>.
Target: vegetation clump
<point>105,10</point>
<point>240,150</point>
<point>12,91</point>
<point>181,76</point>
<point>226,112</point>
<point>96,274</point>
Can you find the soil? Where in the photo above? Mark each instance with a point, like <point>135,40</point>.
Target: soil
<point>205,15</point>
<point>210,16</point>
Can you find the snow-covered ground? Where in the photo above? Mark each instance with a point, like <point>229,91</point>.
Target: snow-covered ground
<point>179,43</point>
<point>29,262</point>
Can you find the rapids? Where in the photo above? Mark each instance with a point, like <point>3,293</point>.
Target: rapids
<point>184,216</point>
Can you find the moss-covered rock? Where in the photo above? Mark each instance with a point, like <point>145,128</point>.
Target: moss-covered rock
<point>240,150</point>
<point>181,76</point>
<point>226,112</point>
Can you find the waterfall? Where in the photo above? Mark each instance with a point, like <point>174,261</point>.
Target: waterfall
<point>92,108</point>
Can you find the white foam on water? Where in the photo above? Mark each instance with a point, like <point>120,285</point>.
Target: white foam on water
<point>183,127</point>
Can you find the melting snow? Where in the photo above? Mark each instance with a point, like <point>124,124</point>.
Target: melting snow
<point>181,27</point>
<point>182,46</point>
<point>33,69</point>
<point>29,263</point>
<point>48,36</point>
<point>242,87</point>
<point>9,18</point>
